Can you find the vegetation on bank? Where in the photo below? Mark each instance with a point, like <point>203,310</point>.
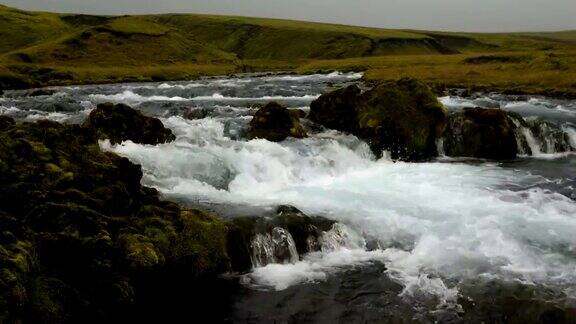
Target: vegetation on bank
<point>39,49</point>
<point>81,240</point>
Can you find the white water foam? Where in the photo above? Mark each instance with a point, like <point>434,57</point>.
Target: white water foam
<point>133,98</point>
<point>315,267</point>
<point>456,102</point>
<point>435,221</point>
<point>130,97</point>
<point>8,111</point>
<point>220,97</point>
<point>316,77</point>
<point>571,132</point>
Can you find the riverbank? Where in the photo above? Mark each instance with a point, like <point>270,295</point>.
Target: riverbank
<point>382,239</point>
<point>543,73</point>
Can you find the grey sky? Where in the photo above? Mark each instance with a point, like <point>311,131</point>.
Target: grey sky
<point>461,15</point>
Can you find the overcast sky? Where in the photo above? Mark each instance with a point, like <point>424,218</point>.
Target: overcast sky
<point>456,15</point>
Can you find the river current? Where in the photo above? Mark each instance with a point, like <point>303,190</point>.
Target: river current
<point>424,242</point>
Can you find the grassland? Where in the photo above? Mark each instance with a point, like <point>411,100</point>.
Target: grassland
<point>38,49</point>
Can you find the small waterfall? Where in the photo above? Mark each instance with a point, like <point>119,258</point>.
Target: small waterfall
<point>531,141</point>
<point>571,134</point>
<point>275,247</point>
<point>536,137</point>
<point>340,236</point>
<point>522,134</point>
<point>440,147</point>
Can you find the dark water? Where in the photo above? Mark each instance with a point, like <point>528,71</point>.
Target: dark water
<point>452,240</point>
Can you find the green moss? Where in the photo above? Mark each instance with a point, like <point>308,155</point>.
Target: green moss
<point>140,251</point>
<point>202,242</point>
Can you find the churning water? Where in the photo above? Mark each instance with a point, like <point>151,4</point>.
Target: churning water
<point>433,229</point>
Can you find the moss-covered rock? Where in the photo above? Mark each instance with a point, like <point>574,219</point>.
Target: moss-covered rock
<point>482,133</point>
<point>338,109</point>
<point>402,117</point>
<point>81,240</point>
<point>276,123</point>
<point>119,123</point>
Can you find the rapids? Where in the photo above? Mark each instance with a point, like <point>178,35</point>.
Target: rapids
<point>426,231</point>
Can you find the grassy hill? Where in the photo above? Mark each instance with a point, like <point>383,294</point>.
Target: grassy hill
<point>39,48</point>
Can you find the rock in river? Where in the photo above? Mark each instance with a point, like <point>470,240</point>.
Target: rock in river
<point>119,123</point>
<point>481,133</point>
<point>276,123</point>
<point>402,117</point>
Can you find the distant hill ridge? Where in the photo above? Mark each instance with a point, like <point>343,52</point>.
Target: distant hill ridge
<point>66,39</point>
<point>41,49</point>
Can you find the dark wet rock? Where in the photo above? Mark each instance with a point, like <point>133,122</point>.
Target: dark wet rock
<point>196,113</point>
<point>40,92</point>
<point>120,123</point>
<point>51,105</point>
<point>6,122</point>
<point>402,117</point>
<point>512,302</point>
<point>276,123</point>
<point>459,92</point>
<point>82,241</point>
<point>338,109</point>
<point>481,133</point>
<point>305,230</point>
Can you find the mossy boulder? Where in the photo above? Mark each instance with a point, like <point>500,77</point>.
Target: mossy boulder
<point>81,240</point>
<point>120,123</point>
<point>276,123</point>
<point>481,133</point>
<point>337,109</point>
<point>403,117</point>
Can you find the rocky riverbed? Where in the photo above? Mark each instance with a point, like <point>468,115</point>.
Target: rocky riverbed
<point>385,203</point>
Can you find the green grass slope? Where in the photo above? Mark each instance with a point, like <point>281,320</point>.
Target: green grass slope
<point>38,48</point>
<point>20,29</point>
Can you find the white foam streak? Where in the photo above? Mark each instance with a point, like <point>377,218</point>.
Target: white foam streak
<point>220,97</point>
<point>316,77</point>
<point>9,110</point>
<point>455,102</point>
<point>315,267</point>
<point>130,97</point>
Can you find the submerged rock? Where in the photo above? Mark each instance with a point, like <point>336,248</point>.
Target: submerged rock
<point>196,113</point>
<point>6,122</point>
<point>40,92</point>
<point>120,123</point>
<point>276,123</point>
<point>404,117</point>
<point>481,133</point>
<point>280,238</point>
<point>81,240</point>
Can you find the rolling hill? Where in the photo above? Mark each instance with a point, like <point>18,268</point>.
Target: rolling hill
<point>38,48</point>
